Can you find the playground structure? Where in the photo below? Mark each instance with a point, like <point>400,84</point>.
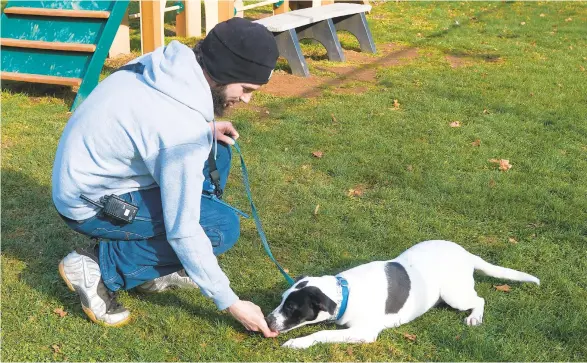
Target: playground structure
<point>66,42</point>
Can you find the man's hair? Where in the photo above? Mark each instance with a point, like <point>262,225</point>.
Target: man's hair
<point>198,52</point>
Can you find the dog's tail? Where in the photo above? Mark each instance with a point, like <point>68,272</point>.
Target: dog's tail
<point>502,272</point>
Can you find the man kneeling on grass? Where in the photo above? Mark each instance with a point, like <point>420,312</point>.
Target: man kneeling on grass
<point>146,134</point>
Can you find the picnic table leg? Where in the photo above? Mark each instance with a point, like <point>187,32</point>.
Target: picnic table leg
<point>289,48</point>
<point>324,32</point>
<point>357,25</point>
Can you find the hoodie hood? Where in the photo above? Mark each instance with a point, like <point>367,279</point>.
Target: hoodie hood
<point>174,71</point>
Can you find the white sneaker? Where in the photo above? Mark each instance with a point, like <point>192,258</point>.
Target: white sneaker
<point>81,273</point>
<point>176,280</point>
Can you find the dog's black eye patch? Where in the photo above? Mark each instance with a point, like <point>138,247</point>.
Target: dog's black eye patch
<point>301,284</point>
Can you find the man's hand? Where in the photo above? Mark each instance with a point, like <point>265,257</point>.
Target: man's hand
<point>251,317</point>
<point>224,132</point>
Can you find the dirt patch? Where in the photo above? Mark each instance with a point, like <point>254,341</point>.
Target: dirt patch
<point>456,62</point>
<point>364,70</point>
<point>286,85</point>
<point>6,143</point>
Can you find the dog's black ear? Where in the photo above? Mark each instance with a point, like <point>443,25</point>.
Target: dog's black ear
<point>300,277</point>
<point>322,302</point>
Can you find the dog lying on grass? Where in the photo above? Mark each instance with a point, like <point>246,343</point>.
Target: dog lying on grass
<point>385,294</point>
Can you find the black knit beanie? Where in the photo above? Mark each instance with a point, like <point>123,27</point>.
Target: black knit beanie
<point>239,51</point>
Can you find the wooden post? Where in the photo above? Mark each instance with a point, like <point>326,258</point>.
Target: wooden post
<point>225,10</point>
<point>326,2</point>
<point>211,13</point>
<point>283,8</point>
<point>151,25</point>
<point>121,43</point>
<point>189,22</point>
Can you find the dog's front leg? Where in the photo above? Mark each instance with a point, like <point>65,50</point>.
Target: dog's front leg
<point>351,335</point>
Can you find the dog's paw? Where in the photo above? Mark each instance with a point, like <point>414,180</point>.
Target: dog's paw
<point>473,320</point>
<point>299,343</point>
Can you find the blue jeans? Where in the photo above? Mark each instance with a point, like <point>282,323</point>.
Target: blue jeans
<point>130,254</point>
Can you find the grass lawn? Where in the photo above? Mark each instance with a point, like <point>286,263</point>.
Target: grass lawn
<point>511,73</point>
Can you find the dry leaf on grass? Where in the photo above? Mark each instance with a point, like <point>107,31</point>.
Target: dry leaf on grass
<point>455,124</point>
<point>60,312</point>
<point>286,270</point>
<point>316,209</point>
<point>542,15</point>
<point>503,288</point>
<point>56,348</point>
<point>410,168</point>
<point>476,142</point>
<point>410,337</point>
<point>318,154</point>
<point>395,104</point>
<point>333,118</point>
<point>568,19</point>
<point>504,164</point>
<point>356,191</point>
<point>512,240</point>
<point>485,111</point>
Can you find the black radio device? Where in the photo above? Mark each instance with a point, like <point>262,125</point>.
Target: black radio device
<point>115,207</point>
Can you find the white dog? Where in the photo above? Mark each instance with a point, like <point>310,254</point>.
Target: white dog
<point>386,294</point>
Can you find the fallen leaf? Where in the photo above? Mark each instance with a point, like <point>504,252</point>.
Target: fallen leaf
<point>356,191</point>
<point>267,112</point>
<point>568,19</point>
<point>410,337</point>
<point>503,288</point>
<point>532,94</point>
<point>582,68</point>
<point>410,168</point>
<point>542,15</point>
<point>485,112</point>
<point>60,312</point>
<point>504,164</point>
<point>395,104</point>
<point>349,351</point>
<point>333,118</point>
<point>286,270</point>
<point>512,240</point>
<point>455,124</point>
<point>476,142</point>
<point>316,209</point>
<point>523,23</point>
<point>458,337</point>
<point>318,154</point>
<point>492,183</point>
<point>56,348</point>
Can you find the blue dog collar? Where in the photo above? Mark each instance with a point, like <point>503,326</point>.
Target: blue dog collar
<point>344,285</point>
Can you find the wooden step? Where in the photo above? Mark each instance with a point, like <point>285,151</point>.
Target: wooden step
<point>37,44</point>
<point>19,10</point>
<point>37,78</point>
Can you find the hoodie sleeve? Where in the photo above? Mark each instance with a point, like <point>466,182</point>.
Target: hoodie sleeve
<point>178,171</point>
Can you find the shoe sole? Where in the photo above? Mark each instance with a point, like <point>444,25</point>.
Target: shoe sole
<point>86,310</point>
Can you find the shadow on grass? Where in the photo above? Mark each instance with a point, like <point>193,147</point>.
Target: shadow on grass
<point>40,90</point>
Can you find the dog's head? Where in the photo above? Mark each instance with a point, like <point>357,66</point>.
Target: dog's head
<point>310,300</point>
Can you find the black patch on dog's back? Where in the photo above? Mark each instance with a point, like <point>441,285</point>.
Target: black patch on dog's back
<point>398,287</point>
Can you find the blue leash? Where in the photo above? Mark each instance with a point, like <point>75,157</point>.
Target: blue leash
<point>288,278</point>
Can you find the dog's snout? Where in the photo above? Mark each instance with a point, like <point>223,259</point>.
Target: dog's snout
<point>271,321</point>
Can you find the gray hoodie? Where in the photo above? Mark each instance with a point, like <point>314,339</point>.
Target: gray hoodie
<point>142,131</point>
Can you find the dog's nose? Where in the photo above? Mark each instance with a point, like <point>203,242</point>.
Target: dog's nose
<point>270,319</point>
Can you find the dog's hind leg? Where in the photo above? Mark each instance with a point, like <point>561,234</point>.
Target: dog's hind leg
<point>462,296</point>
<point>351,335</point>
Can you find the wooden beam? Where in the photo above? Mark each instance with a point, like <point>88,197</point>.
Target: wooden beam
<point>225,10</point>
<point>283,8</point>
<point>37,78</point>
<point>211,13</point>
<point>189,22</point>
<point>37,44</point>
<point>17,10</point>
<point>151,25</point>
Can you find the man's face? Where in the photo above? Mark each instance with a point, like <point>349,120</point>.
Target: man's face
<point>227,95</point>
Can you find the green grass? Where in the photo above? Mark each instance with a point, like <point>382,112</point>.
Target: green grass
<point>421,179</point>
